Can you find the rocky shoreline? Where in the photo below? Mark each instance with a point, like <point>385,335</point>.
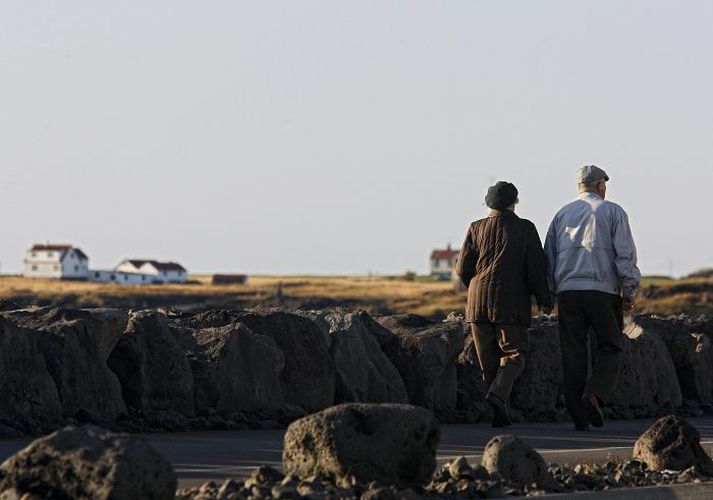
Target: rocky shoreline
<point>163,370</point>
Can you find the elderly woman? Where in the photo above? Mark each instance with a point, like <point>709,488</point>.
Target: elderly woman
<point>502,264</point>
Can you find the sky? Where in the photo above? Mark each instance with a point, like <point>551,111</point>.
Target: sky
<point>331,137</point>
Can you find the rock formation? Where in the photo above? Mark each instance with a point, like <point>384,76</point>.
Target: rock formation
<point>389,443</point>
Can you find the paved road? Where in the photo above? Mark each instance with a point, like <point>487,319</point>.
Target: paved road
<point>201,456</point>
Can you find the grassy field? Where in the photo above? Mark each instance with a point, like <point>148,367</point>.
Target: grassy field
<point>378,295</point>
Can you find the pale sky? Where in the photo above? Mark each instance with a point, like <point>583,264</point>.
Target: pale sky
<point>346,137</point>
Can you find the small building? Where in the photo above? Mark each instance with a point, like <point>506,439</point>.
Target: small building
<point>160,272</point>
<point>443,262</point>
<point>121,277</point>
<point>229,279</point>
<point>58,261</point>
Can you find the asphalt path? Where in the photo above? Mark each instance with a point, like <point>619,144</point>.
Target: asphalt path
<point>201,456</point>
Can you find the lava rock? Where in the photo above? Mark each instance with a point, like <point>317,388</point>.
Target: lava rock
<point>89,463</point>
<point>28,391</point>
<point>514,460</point>
<point>364,372</point>
<point>308,378</point>
<point>152,366</point>
<point>76,344</point>
<point>427,358</point>
<point>672,443</point>
<point>236,369</point>
<point>357,442</point>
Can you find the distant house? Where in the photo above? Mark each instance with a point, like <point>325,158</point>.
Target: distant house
<point>443,262</point>
<point>120,277</point>
<point>160,272</point>
<point>55,261</point>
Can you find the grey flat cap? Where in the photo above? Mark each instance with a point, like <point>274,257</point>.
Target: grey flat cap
<point>590,173</point>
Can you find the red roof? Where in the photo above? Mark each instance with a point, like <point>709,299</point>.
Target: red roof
<point>39,247</point>
<point>444,254</point>
<point>58,248</point>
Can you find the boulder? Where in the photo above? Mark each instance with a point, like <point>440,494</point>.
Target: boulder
<point>8,305</point>
<point>390,443</point>
<point>27,389</point>
<point>647,381</point>
<point>514,460</point>
<point>89,463</point>
<point>364,372</point>
<point>308,378</point>
<point>426,359</point>
<point>537,391</point>
<point>236,369</point>
<point>76,345</point>
<point>672,443</point>
<point>152,366</point>
<point>691,352</point>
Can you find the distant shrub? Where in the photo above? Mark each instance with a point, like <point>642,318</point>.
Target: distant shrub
<point>702,273</point>
<point>408,276</point>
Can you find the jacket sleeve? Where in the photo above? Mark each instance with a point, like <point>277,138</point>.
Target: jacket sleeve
<point>537,268</point>
<point>551,256</point>
<point>626,259</point>
<point>465,266</point>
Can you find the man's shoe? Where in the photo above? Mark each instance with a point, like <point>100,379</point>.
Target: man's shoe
<point>501,416</point>
<point>594,411</point>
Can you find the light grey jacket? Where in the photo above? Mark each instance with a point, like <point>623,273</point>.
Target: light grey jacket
<point>589,246</point>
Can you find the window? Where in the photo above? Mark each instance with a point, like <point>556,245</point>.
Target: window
<point>76,268</point>
<point>112,277</point>
<point>143,277</point>
<point>34,268</point>
<point>56,268</point>
<point>126,277</point>
<point>96,275</point>
<point>34,254</point>
<point>50,254</point>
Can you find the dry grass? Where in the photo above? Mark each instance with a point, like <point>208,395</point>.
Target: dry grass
<point>425,297</point>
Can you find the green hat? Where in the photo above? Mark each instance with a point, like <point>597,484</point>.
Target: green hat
<point>501,195</point>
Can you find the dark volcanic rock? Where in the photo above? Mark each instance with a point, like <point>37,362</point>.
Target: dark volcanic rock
<point>514,460</point>
<point>76,344</point>
<point>89,463</point>
<point>308,378</point>
<point>364,372</point>
<point>427,358</point>
<point>672,443</point>
<point>26,388</point>
<point>647,380</point>
<point>8,305</point>
<point>236,369</point>
<point>152,366</point>
<point>389,443</point>
<point>691,352</point>
<point>537,392</point>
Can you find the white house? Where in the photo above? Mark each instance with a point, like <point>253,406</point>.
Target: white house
<point>56,261</point>
<point>160,272</point>
<point>120,277</point>
<point>443,262</point>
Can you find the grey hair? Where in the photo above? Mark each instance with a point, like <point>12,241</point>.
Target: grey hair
<point>589,187</point>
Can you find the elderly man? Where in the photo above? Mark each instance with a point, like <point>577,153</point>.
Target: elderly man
<point>592,269</point>
<point>502,264</point>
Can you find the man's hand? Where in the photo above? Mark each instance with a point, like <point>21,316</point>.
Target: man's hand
<point>628,303</point>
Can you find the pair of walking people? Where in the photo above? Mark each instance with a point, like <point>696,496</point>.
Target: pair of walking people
<point>588,266</point>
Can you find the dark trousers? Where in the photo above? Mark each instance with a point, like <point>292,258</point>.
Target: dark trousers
<point>578,312</point>
<point>501,353</point>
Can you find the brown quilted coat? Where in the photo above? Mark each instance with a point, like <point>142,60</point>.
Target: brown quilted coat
<point>502,264</point>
